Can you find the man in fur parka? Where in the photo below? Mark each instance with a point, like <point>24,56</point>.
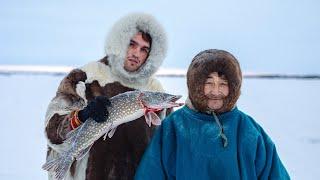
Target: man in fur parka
<point>210,138</point>
<point>135,48</point>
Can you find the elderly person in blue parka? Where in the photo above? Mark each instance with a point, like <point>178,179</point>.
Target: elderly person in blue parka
<point>210,138</point>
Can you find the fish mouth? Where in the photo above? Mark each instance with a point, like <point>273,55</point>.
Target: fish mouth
<point>175,98</point>
<point>173,102</point>
<point>168,102</point>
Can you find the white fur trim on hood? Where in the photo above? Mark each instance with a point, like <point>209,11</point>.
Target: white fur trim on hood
<point>118,41</point>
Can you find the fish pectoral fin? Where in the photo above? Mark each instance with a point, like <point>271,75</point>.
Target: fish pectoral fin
<point>111,132</point>
<point>154,118</point>
<point>148,119</point>
<point>83,152</point>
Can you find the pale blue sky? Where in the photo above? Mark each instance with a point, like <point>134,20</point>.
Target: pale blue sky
<point>266,35</point>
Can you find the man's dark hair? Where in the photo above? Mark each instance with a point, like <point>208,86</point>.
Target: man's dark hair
<point>146,36</point>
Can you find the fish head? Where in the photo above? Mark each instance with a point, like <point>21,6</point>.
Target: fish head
<point>159,100</point>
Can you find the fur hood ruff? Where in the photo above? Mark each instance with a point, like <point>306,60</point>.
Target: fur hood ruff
<point>118,41</point>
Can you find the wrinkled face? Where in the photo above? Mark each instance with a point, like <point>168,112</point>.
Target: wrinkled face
<point>216,89</point>
<point>158,100</point>
<point>137,53</point>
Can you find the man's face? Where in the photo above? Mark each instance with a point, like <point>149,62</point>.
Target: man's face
<point>137,53</point>
<point>216,89</point>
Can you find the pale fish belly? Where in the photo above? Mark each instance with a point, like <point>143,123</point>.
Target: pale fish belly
<point>128,118</point>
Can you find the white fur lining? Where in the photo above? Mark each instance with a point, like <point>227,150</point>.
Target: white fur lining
<point>98,71</point>
<point>118,41</point>
<point>102,73</point>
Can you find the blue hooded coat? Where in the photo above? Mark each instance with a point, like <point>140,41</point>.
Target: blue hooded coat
<point>189,145</point>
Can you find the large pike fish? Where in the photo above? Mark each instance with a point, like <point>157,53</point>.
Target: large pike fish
<point>124,107</point>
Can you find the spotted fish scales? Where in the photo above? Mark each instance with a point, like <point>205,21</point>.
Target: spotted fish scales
<point>124,107</point>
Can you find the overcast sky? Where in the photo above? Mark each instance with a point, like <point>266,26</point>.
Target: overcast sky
<point>266,35</point>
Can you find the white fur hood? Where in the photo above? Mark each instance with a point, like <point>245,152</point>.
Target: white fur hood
<point>118,41</point>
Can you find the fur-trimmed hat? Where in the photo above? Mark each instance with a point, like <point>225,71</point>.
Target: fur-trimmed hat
<point>205,63</point>
<point>118,41</point>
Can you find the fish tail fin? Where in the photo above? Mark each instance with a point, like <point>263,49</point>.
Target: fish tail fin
<point>50,165</point>
<point>64,166</point>
<point>59,166</point>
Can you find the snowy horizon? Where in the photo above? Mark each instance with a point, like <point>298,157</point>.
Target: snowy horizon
<point>286,109</point>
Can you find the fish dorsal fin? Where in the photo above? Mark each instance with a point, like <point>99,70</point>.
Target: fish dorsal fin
<point>83,152</point>
<point>153,118</point>
<point>111,132</point>
<point>107,132</point>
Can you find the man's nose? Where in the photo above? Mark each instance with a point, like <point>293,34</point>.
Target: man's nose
<point>136,52</point>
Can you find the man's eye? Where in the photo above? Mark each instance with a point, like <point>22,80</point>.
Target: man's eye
<point>145,50</point>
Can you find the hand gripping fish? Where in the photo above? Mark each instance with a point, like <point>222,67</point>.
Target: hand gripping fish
<point>124,107</point>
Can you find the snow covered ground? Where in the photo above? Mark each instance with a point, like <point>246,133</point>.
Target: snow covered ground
<point>287,109</point>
